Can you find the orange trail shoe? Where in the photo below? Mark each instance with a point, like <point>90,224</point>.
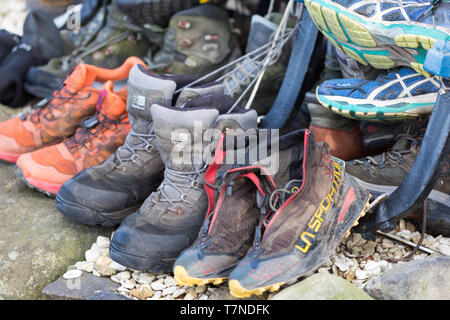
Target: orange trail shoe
<point>58,117</point>
<point>98,137</point>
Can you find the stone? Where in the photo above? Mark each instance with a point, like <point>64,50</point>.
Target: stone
<point>37,243</point>
<point>84,266</point>
<point>405,234</point>
<point>107,295</point>
<point>124,275</point>
<point>77,289</point>
<point>190,294</point>
<point>169,290</point>
<point>128,283</point>
<point>387,243</point>
<point>362,274</point>
<point>92,255</point>
<point>444,249</point>
<point>178,292</point>
<point>169,281</point>
<point>410,227</point>
<point>422,279</point>
<point>322,287</point>
<point>73,274</point>
<point>200,289</point>
<point>158,285</point>
<point>146,278</point>
<point>102,242</point>
<point>117,266</point>
<point>145,291</point>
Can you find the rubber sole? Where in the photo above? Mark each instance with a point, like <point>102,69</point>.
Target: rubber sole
<point>89,216</point>
<point>381,45</point>
<point>182,278</point>
<point>358,112</point>
<point>9,157</point>
<point>138,262</point>
<point>239,291</point>
<point>46,188</point>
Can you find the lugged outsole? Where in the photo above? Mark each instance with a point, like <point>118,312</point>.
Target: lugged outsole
<point>238,291</point>
<point>347,34</point>
<point>182,278</point>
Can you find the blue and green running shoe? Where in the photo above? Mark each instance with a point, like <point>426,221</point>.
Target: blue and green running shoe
<point>383,33</point>
<point>400,94</point>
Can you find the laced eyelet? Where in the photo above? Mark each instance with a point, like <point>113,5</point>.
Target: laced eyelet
<point>195,184</point>
<point>184,197</point>
<point>148,148</point>
<point>134,157</point>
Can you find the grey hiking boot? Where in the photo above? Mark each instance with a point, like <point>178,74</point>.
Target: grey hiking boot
<point>198,41</point>
<point>107,193</point>
<point>262,32</point>
<point>106,41</point>
<point>170,219</point>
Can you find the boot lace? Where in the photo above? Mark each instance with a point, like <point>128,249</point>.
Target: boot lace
<point>145,143</point>
<point>179,181</point>
<point>90,128</point>
<point>390,155</point>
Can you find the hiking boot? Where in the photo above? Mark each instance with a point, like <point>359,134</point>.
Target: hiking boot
<point>156,12</point>
<point>262,32</point>
<point>106,42</point>
<point>98,137</point>
<point>198,41</point>
<point>384,34</point>
<point>107,193</point>
<point>400,94</point>
<point>7,42</point>
<point>229,227</point>
<point>306,217</point>
<point>57,118</point>
<point>170,219</point>
<point>383,173</point>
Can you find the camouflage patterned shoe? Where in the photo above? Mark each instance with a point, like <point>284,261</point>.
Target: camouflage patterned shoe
<point>156,12</point>
<point>107,41</point>
<point>307,217</point>
<point>198,41</point>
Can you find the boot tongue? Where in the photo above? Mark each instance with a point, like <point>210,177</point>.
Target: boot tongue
<point>82,76</point>
<point>145,89</point>
<point>179,135</point>
<point>188,94</point>
<point>109,103</point>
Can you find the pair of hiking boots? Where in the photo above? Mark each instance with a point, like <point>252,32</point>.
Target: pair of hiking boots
<point>78,127</point>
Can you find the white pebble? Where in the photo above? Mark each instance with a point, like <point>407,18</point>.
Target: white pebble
<point>85,266</point>
<point>92,255</point>
<point>102,242</point>
<point>444,249</point>
<point>73,274</point>
<point>117,266</point>
<point>169,290</point>
<point>158,285</point>
<point>145,278</point>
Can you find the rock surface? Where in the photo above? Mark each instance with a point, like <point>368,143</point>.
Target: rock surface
<point>37,244</point>
<point>322,286</point>
<point>423,279</point>
<point>81,288</point>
